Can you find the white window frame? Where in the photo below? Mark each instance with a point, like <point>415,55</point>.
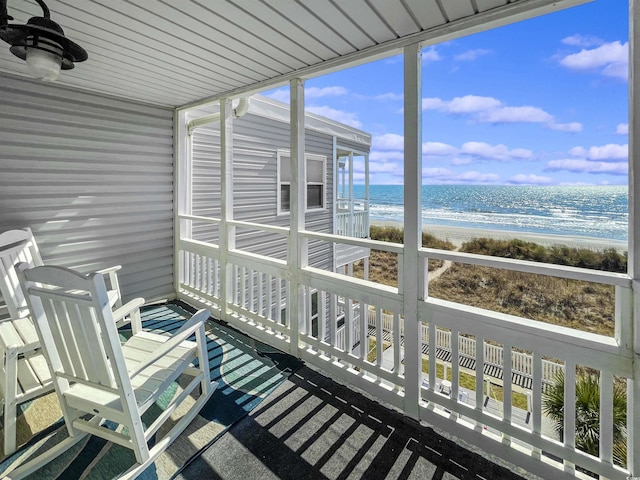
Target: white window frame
<point>286,154</point>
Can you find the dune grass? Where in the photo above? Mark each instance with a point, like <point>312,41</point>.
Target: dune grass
<point>576,304</point>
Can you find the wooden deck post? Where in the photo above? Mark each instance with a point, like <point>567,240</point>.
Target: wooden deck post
<point>297,251</point>
<point>412,225</point>
<point>227,233</point>
<point>633,394</point>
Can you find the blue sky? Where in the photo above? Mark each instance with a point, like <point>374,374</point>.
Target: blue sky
<point>540,102</point>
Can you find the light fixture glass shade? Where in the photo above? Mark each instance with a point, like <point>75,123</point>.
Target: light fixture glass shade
<point>43,65</point>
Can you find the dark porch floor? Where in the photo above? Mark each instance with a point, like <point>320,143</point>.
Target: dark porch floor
<point>314,428</point>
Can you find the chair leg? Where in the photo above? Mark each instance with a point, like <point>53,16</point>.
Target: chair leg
<point>10,406</point>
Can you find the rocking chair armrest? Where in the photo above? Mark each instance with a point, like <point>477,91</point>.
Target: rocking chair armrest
<point>111,276</point>
<point>109,270</point>
<point>131,308</point>
<point>189,328</point>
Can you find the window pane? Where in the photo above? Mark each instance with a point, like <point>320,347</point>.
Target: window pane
<point>285,199</point>
<point>285,168</point>
<point>314,196</point>
<point>314,171</point>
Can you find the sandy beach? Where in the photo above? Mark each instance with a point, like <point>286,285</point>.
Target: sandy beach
<point>458,235</point>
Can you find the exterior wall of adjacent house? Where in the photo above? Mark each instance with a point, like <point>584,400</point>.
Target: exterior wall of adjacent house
<point>257,141</point>
<point>93,178</point>
<point>258,137</point>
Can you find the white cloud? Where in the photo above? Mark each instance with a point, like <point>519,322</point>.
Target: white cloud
<point>565,127</point>
<point>316,92</point>
<point>341,116</point>
<point>579,40</point>
<point>389,96</point>
<point>524,179</point>
<point>430,55</point>
<point>378,155</point>
<point>578,152</point>
<point>588,166</point>
<point>610,152</point>
<point>524,114</point>
<point>611,59</point>
<point>491,110</point>
<point>446,176</point>
<point>494,152</point>
<point>388,141</point>
<point>466,104</point>
<point>438,148</point>
<point>622,129</point>
<point>471,55</point>
<point>433,103</point>
<point>282,94</point>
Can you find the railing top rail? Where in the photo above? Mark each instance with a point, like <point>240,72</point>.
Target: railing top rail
<point>526,266</point>
<point>184,216</point>
<point>366,243</point>
<point>259,226</point>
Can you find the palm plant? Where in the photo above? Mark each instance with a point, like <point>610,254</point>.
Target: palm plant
<point>587,412</point>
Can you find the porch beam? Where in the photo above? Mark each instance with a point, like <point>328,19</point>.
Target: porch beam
<point>412,225</point>
<point>633,394</point>
<point>490,19</point>
<point>181,194</point>
<point>297,251</point>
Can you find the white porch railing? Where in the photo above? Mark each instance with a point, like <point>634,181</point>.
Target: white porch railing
<point>249,291</point>
<point>352,218</point>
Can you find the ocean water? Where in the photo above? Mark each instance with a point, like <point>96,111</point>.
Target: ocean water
<point>589,211</point>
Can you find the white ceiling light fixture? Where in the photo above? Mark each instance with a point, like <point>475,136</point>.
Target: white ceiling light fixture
<point>41,43</point>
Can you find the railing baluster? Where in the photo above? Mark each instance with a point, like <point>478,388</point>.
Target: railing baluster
<point>397,344</point>
<point>333,319</point>
<point>537,399</point>
<point>606,416</point>
<point>204,271</point>
<point>270,300</point>
<point>379,337</point>
<point>455,363</point>
<point>364,330</point>
<point>507,394</point>
<point>479,373</point>
<point>432,356</point>
<point>348,325</point>
<point>322,315</point>
<point>569,430</point>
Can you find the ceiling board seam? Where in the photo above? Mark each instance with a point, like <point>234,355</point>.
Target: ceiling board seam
<point>443,12</point>
<point>232,61</point>
<point>411,14</point>
<point>251,47</point>
<point>382,19</point>
<point>287,19</point>
<point>353,47</point>
<point>302,47</point>
<point>474,5</point>
<point>167,44</point>
<point>354,22</point>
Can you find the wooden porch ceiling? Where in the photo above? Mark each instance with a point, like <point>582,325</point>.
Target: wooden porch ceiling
<point>175,53</point>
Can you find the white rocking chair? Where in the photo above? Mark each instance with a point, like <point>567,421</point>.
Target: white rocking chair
<point>97,378</point>
<point>23,371</point>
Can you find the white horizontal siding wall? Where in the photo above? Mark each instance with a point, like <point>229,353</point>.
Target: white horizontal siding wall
<point>256,142</point>
<point>93,177</point>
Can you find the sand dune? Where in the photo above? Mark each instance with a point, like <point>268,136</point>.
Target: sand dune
<point>458,235</point>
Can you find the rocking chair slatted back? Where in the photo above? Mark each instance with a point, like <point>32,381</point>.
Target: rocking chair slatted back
<point>79,333</point>
<point>21,248</point>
